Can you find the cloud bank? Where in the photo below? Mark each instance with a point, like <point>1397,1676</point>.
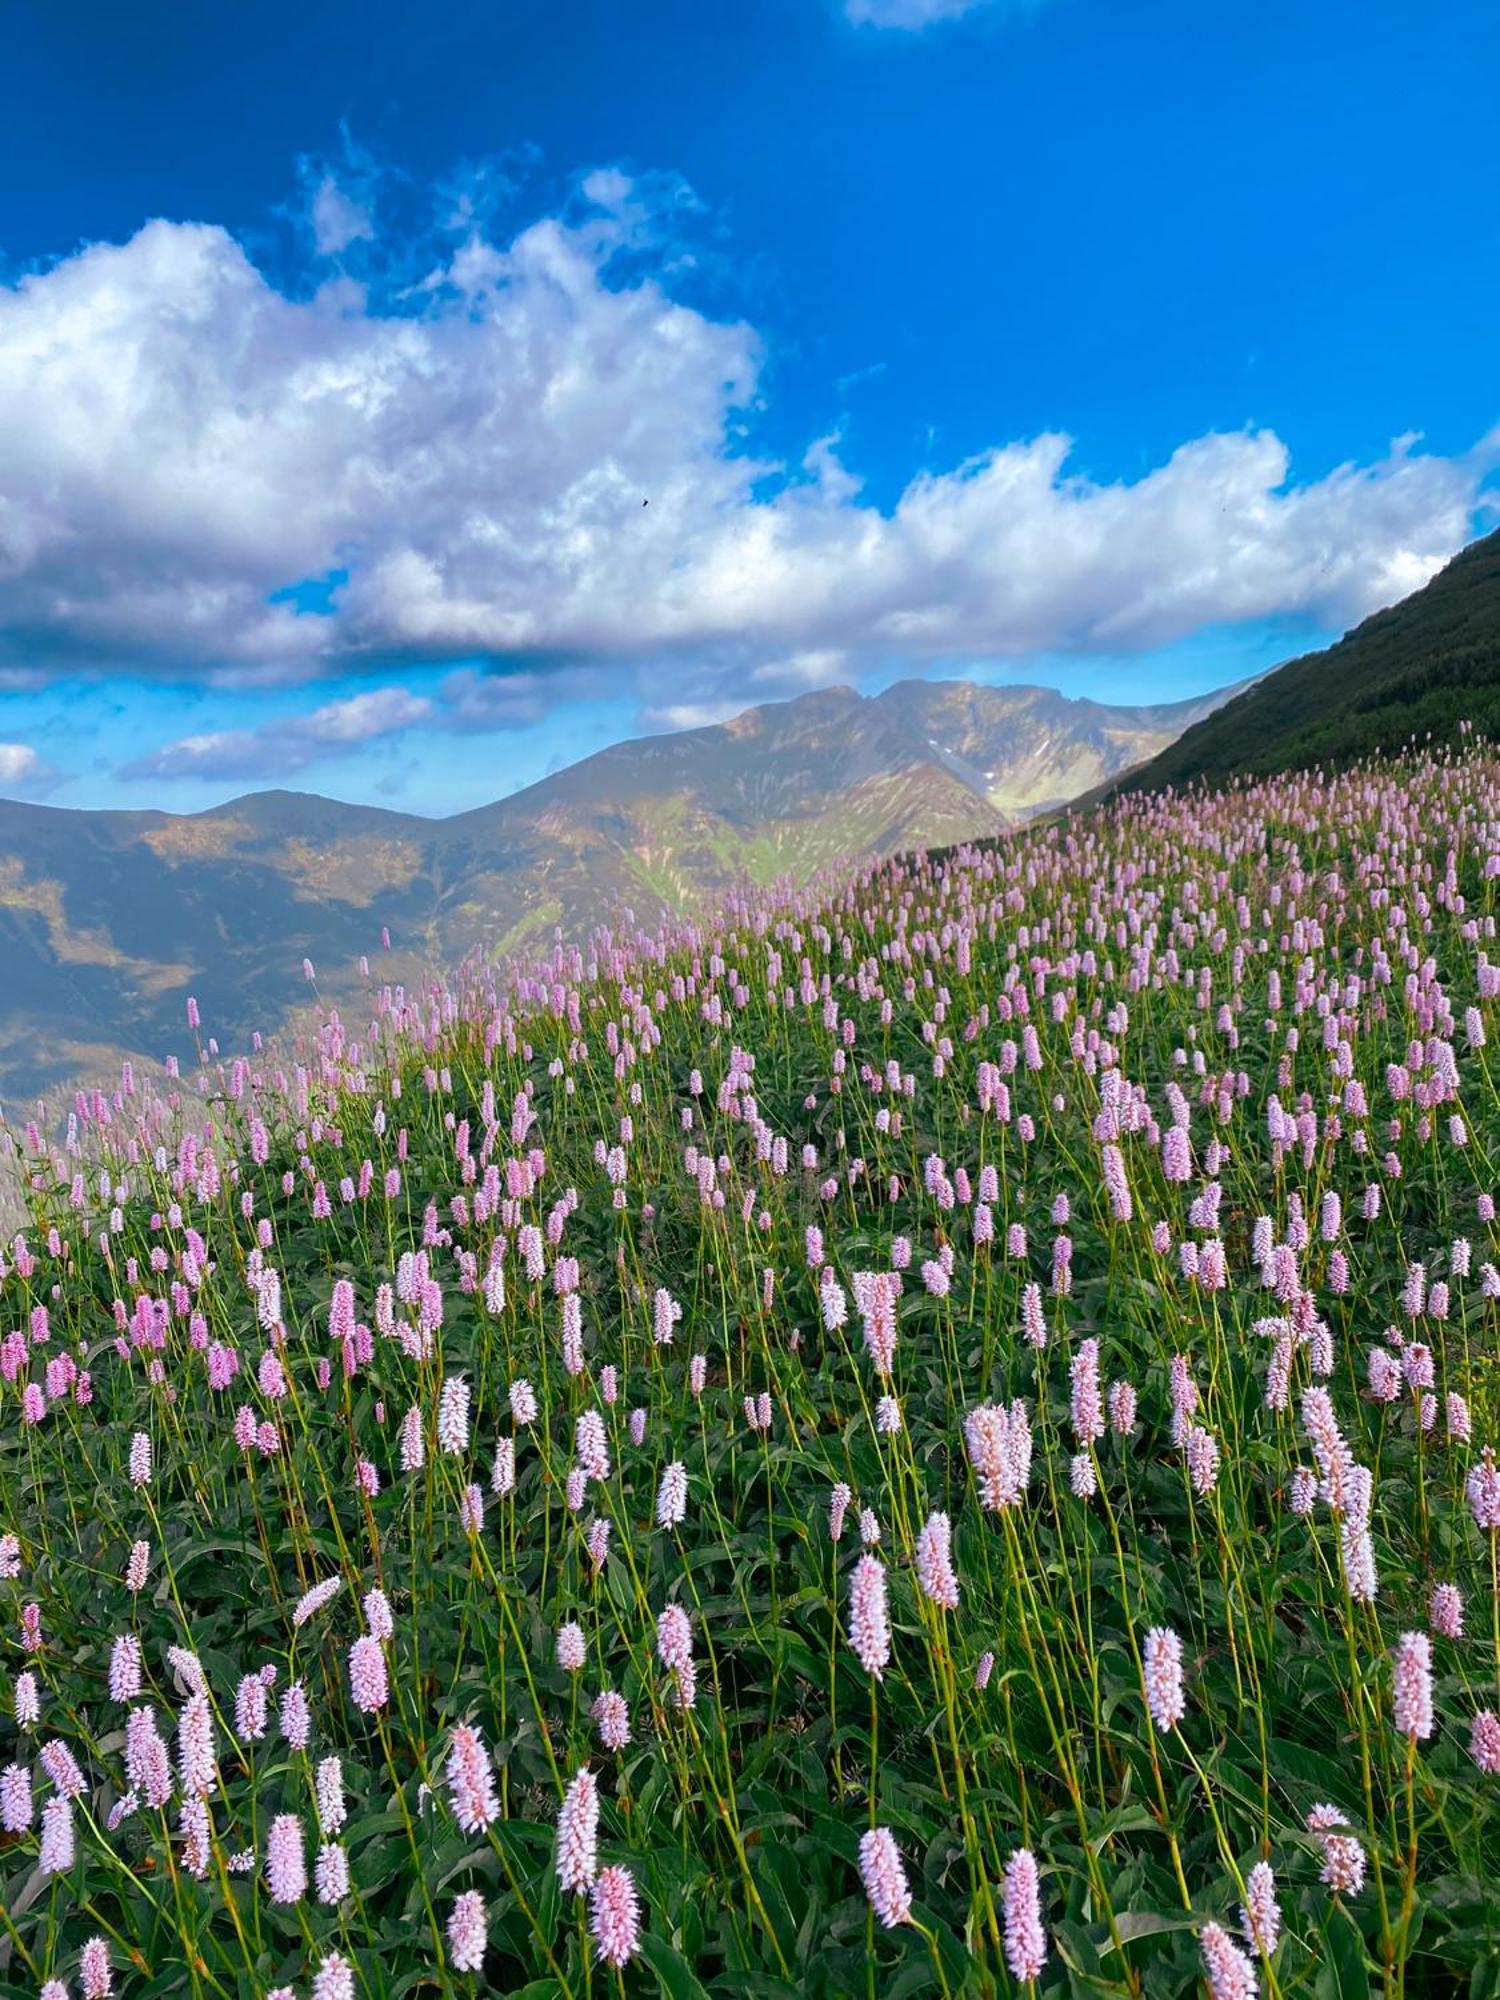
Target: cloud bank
<point>533,453</point>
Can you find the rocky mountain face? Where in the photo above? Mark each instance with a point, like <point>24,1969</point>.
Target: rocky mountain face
<point>109,920</point>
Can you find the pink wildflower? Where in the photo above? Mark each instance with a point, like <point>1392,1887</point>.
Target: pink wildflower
<point>935,1563</point>
<point>1025,1939</point>
<point>470,1781</point>
<point>369,1686</point>
<point>578,1834</point>
<point>884,1877</point>
<point>1231,1976</point>
<point>614,1917</point>
<point>468,1932</point>
<point>1412,1685</point>
<point>1161,1660</point>
<point>286,1869</point>
<point>1260,1914</point>
<point>869,1625</point>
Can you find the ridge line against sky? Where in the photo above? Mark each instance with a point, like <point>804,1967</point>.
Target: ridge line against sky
<point>669,730</point>
<point>484,466</point>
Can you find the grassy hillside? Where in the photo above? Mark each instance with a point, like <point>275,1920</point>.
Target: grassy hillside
<point>1420,669</point>
<point>921,1439</point>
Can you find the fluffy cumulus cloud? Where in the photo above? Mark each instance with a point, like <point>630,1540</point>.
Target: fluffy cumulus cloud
<point>289,743</point>
<point>531,454</point>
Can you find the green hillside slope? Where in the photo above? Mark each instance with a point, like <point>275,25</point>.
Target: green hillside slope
<point>1422,668</point>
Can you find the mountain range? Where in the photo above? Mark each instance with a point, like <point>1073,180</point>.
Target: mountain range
<point>109,920</point>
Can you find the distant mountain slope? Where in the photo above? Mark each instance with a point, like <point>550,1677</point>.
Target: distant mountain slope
<point>108,920</point>
<point>1028,750</point>
<point>1426,665</point>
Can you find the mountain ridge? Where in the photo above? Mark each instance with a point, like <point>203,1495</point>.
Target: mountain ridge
<point>110,918</point>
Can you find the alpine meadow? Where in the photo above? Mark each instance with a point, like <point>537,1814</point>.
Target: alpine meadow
<point>930,1435</point>
<point>749,1000</point>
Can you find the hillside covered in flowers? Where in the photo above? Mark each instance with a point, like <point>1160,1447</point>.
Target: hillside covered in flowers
<point>929,1436</point>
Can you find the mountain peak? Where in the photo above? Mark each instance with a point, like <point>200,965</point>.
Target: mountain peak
<point>816,705</point>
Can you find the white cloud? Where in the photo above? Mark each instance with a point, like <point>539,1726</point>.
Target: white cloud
<point>536,457</point>
<point>338,219</point>
<point>379,712</point>
<point>289,743</point>
<point>20,765</point>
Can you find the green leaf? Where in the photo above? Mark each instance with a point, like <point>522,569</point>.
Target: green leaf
<point>674,1976</point>
<point>1344,1973</point>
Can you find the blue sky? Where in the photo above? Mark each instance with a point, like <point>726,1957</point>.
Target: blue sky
<point>1124,349</point>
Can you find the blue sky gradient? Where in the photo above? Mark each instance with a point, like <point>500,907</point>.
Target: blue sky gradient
<point>875,249</point>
